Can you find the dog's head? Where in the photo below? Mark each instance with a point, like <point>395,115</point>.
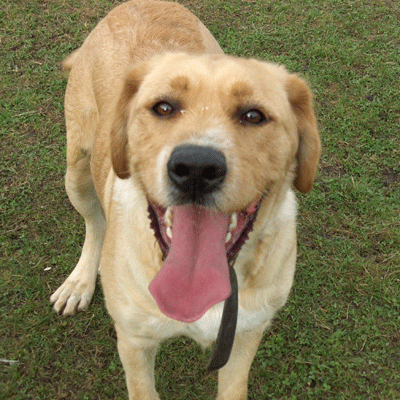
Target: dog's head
<point>208,137</point>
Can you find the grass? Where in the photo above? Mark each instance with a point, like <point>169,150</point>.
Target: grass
<point>339,335</point>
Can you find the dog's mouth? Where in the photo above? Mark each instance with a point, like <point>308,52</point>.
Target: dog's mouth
<point>199,244</point>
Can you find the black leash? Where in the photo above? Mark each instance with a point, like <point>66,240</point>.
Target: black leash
<point>227,329</point>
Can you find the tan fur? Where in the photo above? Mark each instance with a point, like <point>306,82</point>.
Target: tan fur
<point>143,52</point>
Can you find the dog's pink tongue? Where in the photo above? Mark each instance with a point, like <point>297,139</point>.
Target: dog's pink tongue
<point>195,274</point>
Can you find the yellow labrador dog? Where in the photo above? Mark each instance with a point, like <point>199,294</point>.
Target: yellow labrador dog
<point>181,160</point>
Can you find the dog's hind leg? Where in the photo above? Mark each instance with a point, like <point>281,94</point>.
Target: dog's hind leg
<point>76,292</point>
<point>138,358</point>
<point>232,379</point>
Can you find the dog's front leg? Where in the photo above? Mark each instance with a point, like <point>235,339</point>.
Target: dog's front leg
<point>77,291</point>
<point>138,358</point>
<point>232,379</point>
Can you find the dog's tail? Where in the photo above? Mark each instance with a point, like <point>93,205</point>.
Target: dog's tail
<point>68,62</point>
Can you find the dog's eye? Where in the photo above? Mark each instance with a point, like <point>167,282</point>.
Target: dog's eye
<point>254,117</point>
<point>164,109</point>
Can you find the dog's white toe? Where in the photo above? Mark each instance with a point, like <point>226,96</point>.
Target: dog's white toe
<point>73,295</point>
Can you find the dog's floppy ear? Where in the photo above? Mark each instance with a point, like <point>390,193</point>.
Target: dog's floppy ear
<point>119,137</point>
<point>309,149</point>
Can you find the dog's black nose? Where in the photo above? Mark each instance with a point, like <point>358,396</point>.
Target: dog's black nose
<point>196,170</point>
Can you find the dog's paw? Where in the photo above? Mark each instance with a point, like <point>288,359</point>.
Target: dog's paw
<point>73,295</point>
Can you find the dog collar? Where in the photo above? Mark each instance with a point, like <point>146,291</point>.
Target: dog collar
<point>227,329</point>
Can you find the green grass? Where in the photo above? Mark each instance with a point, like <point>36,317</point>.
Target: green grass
<point>339,335</point>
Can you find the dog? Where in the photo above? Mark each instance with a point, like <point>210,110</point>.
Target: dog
<point>182,161</point>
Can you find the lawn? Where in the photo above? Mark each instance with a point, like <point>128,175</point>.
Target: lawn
<point>339,335</point>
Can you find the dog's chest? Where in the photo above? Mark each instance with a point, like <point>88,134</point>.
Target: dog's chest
<point>205,330</point>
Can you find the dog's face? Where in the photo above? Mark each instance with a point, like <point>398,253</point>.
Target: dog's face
<point>207,138</point>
